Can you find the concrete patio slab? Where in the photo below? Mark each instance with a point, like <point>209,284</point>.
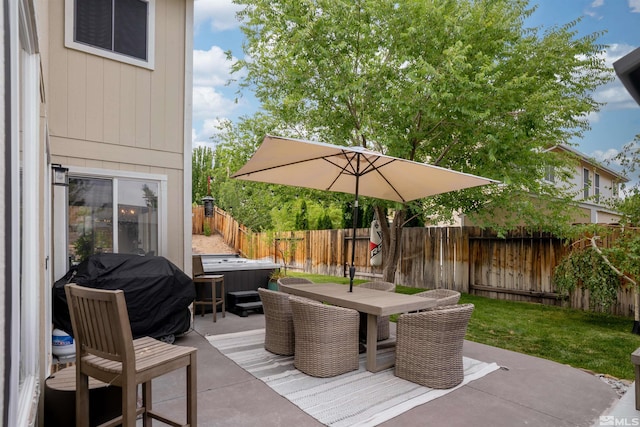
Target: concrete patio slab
<point>526,391</point>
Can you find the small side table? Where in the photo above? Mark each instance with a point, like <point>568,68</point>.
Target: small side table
<point>105,401</point>
<point>213,279</point>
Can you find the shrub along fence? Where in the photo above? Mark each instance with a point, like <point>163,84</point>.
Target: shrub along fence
<point>517,267</point>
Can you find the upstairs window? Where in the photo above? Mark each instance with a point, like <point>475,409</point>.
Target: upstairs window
<point>596,187</point>
<point>122,30</point>
<point>550,173</point>
<point>586,183</point>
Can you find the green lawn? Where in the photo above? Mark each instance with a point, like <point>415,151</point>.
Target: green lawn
<point>598,342</point>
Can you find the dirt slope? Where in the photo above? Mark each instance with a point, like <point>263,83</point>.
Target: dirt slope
<point>201,244</point>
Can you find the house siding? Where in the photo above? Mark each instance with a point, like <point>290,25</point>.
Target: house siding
<point>111,115</point>
<point>93,113</point>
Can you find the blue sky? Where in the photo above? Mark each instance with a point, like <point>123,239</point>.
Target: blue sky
<point>216,30</point>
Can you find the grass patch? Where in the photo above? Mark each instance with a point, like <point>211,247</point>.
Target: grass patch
<point>318,278</point>
<point>597,342</point>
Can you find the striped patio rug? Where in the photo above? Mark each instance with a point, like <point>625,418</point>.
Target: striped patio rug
<point>357,398</point>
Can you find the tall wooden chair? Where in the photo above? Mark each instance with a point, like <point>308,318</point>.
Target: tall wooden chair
<point>106,350</point>
<point>201,278</point>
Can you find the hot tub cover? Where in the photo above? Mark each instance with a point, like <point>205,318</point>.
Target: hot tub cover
<point>158,293</point>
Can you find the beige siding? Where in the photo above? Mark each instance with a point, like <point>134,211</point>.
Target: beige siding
<point>95,98</point>
<point>110,115</point>
<point>105,101</point>
<point>111,101</point>
<point>143,116</point>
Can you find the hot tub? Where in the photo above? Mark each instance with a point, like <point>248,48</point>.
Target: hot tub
<point>240,274</point>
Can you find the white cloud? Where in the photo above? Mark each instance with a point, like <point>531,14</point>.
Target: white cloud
<point>221,14</point>
<point>614,94</point>
<point>604,156</point>
<point>211,67</point>
<point>597,3</point>
<point>209,103</point>
<point>634,5</point>
<point>617,51</point>
<point>203,136</point>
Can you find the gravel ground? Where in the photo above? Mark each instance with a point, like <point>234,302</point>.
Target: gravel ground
<point>213,244</point>
<point>620,386</point>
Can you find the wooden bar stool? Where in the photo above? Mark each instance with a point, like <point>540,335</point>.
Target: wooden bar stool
<point>199,277</point>
<point>214,301</point>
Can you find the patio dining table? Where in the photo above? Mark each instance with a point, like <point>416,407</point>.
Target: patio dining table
<point>370,301</point>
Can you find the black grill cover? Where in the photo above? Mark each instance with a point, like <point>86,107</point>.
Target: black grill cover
<point>158,293</point>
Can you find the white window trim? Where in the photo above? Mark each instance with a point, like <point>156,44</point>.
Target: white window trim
<point>151,39</point>
<point>30,283</point>
<point>27,289</point>
<point>162,195</point>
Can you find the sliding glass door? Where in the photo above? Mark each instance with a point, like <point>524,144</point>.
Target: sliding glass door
<point>112,214</point>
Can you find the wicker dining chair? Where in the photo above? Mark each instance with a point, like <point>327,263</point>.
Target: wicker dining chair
<point>279,337</point>
<point>444,296</point>
<point>106,351</point>
<point>326,342</point>
<point>383,322</point>
<point>429,345</point>
<point>292,280</point>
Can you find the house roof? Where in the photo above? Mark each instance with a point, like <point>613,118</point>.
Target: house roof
<point>590,160</point>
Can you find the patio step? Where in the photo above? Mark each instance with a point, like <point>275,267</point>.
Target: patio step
<point>241,302</point>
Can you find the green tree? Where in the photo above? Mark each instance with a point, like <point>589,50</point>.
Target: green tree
<point>201,170</point>
<point>456,83</point>
<point>324,222</point>
<point>302,217</point>
<point>603,270</point>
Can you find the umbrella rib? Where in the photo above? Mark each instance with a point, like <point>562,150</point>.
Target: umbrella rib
<point>281,165</point>
<point>377,169</point>
<point>370,167</point>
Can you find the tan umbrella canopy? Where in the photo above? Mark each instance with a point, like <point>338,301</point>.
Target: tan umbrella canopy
<point>352,170</point>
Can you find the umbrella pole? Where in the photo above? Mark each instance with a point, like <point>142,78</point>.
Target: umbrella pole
<point>352,269</point>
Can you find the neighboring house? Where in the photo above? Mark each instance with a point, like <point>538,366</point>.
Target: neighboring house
<point>96,92</point>
<point>594,186</point>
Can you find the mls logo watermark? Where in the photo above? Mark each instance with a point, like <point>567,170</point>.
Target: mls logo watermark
<point>610,420</point>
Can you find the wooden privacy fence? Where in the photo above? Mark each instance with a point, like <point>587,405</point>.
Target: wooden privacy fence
<point>516,267</point>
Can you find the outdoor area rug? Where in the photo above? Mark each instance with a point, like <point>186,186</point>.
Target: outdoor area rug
<point>357,398</point>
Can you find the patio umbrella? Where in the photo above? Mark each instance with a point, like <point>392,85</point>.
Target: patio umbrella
<point>352,170</point>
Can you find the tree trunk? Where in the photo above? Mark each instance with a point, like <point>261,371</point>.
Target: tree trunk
<point>391,240</point>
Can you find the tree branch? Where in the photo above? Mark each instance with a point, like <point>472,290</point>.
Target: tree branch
<point>594,245</point>
<point>447,149</point>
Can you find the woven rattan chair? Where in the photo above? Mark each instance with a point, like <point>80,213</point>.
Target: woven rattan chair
<point>292,280</point>
<point>279,337</point>
<point>326,338</point>
<point>444,296</point>
<point>383,322</point>
<point>106,351</point>
<point>429,345</point>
